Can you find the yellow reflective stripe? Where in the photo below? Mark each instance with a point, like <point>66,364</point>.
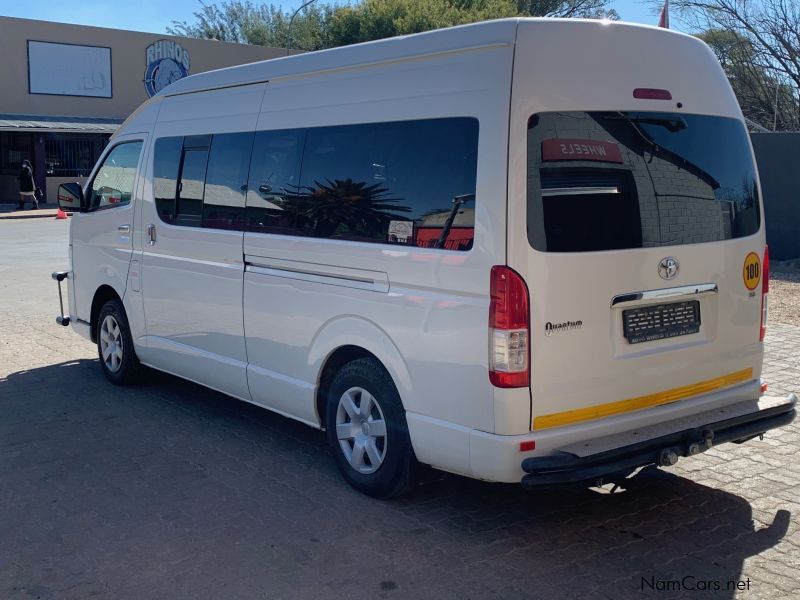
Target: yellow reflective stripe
<point>622,406</point>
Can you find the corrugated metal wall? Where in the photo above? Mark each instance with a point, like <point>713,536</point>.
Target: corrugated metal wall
<point>778,158</point>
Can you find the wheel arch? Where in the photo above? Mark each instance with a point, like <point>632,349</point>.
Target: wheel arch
<point>102,295</point>
<point>349,338</point>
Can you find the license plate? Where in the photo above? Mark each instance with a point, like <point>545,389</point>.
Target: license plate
<point>661,321</point>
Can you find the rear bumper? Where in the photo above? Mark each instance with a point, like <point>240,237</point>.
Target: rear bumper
<point>604,457</point>
<point>494,457</point>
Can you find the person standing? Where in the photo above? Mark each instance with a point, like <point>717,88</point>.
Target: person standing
<point>27,186</point>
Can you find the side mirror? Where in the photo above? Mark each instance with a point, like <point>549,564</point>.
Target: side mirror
<point>70,197</point>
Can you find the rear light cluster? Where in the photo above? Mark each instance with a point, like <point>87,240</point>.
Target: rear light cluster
<point>764,294</point>
<point>509,329</point>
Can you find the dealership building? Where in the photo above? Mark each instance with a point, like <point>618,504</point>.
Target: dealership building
<point>64,89</point>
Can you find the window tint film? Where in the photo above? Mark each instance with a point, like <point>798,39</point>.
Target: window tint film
<point>226,181</point>
<point>274,182</point>
<point>113,184</point>
<point>614,180</point>
<point>192,181</point>
<point>409,183</point>
<point>166,164</point>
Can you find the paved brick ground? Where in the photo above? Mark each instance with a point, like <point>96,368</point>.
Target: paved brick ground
<point>168,490</point>
<point>784,291</point>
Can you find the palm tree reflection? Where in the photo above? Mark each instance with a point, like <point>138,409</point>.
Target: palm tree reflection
<point>345,208</point>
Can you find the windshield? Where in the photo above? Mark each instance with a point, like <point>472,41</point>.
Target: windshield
<point>614,180</point>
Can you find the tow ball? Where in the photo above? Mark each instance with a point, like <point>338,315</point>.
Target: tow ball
<point>669,456</point>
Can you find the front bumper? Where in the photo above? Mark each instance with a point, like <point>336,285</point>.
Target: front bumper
<point>595,459</point>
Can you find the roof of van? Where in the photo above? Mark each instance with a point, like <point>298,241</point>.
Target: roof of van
<point>452,39</point>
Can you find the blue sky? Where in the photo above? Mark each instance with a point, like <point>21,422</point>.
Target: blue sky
<point>157,15</point>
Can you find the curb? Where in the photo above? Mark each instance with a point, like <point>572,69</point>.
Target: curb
<point>32,214</point>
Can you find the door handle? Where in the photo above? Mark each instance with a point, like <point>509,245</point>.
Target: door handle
<point>151,234</point>
<point>124,228</point>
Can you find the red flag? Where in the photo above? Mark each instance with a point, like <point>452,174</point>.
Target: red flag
<point>663,20</point>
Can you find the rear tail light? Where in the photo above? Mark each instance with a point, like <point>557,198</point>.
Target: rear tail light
<point>764,294</point>
<point>509,329</point>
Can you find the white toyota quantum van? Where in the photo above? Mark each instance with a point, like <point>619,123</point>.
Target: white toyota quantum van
<point>526,250</point>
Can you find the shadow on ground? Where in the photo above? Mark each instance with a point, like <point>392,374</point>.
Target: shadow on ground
<point>168,489</point>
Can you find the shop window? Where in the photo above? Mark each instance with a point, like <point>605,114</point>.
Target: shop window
<point>72,155</point>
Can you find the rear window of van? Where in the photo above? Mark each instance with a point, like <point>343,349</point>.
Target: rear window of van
<point>616,180</point>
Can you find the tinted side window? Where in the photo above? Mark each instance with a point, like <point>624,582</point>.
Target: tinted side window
<point>166,163</point>
<point>226,181</point>
<point>113,184</point>
<point>274,182</point>
<point>192,180</point>
<point>409,183</point>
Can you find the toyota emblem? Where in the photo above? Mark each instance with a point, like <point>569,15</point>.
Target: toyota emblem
<point>668,268</point>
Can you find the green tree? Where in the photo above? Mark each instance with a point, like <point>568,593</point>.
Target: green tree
<point>261,25</point>
<point>378,19</point>
<point>326,25</point>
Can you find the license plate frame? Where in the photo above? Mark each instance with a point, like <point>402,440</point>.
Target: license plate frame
<point>661,321</point>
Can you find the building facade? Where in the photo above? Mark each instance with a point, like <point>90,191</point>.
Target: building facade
<point>64,89</point>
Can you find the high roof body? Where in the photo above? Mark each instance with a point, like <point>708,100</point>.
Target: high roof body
<point>453,39</point>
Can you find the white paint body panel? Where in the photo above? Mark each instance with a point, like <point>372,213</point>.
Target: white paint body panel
<point>429,330</point>
<point>256,315</point>
<point>192,277</point>
<point>101,253</point>
<point>596,365</point>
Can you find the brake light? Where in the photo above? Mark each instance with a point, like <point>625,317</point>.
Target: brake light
<point>509,328</point>
<point>764,294</point>
<point>651,94</point>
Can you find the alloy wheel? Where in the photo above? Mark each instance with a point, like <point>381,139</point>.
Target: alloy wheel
<point>111,343</point>
<point>361,430</point>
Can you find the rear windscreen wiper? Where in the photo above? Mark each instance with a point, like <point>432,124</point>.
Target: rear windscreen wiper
<point>671,124</point>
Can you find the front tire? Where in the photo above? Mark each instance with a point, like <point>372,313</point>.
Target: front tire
<point>118,358</point>
<point>367,431</point>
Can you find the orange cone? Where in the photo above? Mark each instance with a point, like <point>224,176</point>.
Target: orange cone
<point>61,214</point>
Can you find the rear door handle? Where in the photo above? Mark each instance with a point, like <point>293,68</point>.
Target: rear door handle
<point>124,228</point>
<point>151,234</point>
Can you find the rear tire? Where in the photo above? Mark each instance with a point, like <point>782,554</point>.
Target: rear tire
<point>367,431</point>
<point>118,358</point>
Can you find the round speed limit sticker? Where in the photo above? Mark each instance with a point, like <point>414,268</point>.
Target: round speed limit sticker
<point>751,271</point>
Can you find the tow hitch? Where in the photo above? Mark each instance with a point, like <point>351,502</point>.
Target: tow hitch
<point>669,456</point>
<point>60,276</point>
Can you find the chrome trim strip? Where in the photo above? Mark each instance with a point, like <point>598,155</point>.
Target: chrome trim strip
<point>343,276</point>
<point>267,270</point>
<point>675,293</point>
<point>577,191</point>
